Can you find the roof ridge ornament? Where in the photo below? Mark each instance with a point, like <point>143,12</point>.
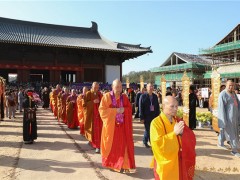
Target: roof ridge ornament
<point>94,26</point>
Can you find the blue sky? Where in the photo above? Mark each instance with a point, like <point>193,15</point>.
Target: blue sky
<point>166,26</point>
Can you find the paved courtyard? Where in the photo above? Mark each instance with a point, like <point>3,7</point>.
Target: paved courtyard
<point>60,153</point>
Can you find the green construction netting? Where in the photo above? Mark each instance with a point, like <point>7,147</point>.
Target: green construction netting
<point>208,74</point>
<point>178,67</point>
<point>174,77</point>
<point>221,48</point>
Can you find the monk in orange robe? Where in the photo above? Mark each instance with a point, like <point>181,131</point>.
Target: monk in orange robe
<point>80,101</point>
<point>173,144</point>
<point>93,122</point>
<point>64,99</point>
<point>54,101</point>
<point>51,99</point>
<point>59,106</point>
<point>71,110</point>
<point>117,147</point>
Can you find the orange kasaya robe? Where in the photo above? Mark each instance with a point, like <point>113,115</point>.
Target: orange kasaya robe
<point>80,102</point>
<point>117,147</point>
<point>51,100</point>
<point>59,105</point>
<point>55,102</point>
<point>93,122</point>
<point>174,156</point>
<point>71,111</point>
<point>64,114</point>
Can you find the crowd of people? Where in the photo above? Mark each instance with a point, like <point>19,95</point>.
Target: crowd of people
<point>104,117</point>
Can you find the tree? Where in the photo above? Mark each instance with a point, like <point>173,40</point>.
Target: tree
<point>134,77</point>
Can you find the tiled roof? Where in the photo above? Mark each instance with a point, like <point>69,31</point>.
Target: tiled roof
<point>188,58</point>
<point>194,58</point>
<point>32,33</point>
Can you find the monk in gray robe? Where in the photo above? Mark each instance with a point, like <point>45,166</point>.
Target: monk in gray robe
<point>229,117</point>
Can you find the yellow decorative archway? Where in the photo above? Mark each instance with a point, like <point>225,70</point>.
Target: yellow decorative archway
<point>216,83</point>
<point>185,96</point>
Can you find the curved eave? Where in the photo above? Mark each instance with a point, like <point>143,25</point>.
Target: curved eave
<point>79,47</point>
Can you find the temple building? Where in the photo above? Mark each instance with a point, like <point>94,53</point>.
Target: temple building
<point>175,65</point>
<point>225,56</point>
<point>38,52</point>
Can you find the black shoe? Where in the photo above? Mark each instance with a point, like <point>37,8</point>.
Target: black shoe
<point>146,145</point>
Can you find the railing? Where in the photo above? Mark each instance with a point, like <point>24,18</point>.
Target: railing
<point>221,48</point>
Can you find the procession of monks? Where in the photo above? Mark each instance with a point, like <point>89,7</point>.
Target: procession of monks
<point>105,120</point>
<point>95,115</point>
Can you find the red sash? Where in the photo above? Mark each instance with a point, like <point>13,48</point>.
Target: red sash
<point>186,153</point>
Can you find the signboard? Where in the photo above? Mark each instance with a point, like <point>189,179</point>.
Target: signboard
<point>112,73</point>
<point>204,92</point>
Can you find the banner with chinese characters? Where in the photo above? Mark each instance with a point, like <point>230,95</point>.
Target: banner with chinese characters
<point>163,86</point>
<point>216,83</point>
<point>185,96</point>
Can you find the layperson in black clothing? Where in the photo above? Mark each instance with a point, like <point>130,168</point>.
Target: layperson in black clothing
<point>137,101</point>
<point>29,119</point>
<point>45,98</point>
<point>192,108</point>
<point>148,110</point>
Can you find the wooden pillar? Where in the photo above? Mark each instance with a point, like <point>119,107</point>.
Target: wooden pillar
<point>51,74</point>
<point>25,75</point>
<point>57,74</point>
<point>20,76</point>
<point>78,76</point>
<point>82,75</point>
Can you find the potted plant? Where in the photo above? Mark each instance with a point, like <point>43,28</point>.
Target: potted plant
<point>203,118</point>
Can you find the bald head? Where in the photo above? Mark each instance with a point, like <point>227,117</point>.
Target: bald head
<point>170,106</point>
<point>230,86</point>
<point>95,87</point>
<point>85,89</point>
<point>117,87</point>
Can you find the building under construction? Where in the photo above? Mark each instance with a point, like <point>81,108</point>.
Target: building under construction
<point>225,56</point>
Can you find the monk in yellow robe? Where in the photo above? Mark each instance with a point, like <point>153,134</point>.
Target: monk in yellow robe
<point>117,147</point>
<point>93,122</point>
<point>173,144</point>
<point>80,101</point>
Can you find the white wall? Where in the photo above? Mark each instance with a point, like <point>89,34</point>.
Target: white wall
<point>112,73</point>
